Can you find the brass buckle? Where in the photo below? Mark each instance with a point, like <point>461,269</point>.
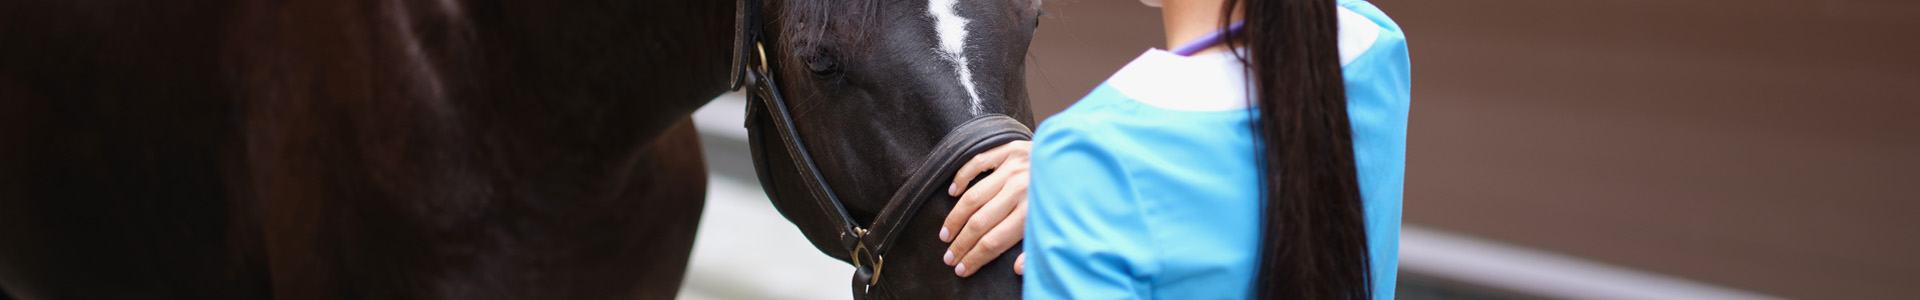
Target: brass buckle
<point>860,252</point>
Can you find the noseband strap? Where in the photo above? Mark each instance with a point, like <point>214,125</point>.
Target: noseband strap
<point>866,246</point>
<point>960,145</point>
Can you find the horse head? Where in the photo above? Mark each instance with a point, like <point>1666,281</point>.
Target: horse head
<point>887,98</point>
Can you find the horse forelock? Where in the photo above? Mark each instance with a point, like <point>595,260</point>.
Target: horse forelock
<point>812,21</point>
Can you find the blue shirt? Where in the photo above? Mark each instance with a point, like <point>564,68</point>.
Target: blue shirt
<point>1148,187</point>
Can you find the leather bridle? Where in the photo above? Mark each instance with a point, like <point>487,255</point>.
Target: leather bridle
<point>866,246</point>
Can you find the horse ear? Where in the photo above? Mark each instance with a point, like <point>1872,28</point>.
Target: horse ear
<point>745,26</point>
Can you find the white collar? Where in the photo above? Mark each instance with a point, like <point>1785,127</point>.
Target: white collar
<point>1207,82</point>
<point>1217,81</point>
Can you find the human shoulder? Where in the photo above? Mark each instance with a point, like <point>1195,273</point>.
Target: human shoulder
<point>1106,131</point>
<point>1363,24</point>
<point>1089,120</point>
<point>1076,127</point>
<point>1373,13</point>
<point>1365,32</point>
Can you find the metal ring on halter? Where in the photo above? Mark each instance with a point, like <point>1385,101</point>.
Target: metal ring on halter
<point>858,258</point>
<point>763,58</point>
<point>861,248</point>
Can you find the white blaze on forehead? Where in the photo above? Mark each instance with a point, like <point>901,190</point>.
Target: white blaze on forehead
<point>953,43</point>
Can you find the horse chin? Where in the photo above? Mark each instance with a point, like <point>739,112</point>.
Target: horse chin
<point>995,281</point>
<point>915,271</point>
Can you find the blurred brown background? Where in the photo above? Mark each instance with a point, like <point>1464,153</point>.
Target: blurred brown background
<point>1762,145</point>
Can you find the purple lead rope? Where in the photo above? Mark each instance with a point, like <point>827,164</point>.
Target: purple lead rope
<point>1208,40</point>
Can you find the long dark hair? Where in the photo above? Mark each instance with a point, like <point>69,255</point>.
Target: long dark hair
<point>1314,241</point>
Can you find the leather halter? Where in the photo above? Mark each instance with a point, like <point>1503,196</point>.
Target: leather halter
<point>866,246</point>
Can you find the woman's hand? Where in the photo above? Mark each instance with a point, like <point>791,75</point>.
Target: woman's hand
<point>991,216</point>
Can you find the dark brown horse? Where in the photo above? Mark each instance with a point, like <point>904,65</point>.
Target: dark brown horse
<point>349,149</point>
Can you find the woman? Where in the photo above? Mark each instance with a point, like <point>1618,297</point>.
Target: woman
<point>1265,164</point>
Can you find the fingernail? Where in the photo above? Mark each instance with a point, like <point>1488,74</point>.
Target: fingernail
<point>949,258</point>
<point>944,236</point>
<point>953,189</point>
<point>960,269</point>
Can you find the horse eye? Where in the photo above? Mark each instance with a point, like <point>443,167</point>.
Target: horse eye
<point>823,65</point>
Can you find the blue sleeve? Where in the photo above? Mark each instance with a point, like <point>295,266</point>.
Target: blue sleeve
<point>1086,238</point>
<point>1379,89</point>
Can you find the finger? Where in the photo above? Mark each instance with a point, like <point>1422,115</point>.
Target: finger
<point>989,216</point>
<point>997,241</point>
<point>979,164</point>
<point>1020,265</point>
<point>970,202</point>
<point>989,160</point>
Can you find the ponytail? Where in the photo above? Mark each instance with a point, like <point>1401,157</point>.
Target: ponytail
<point>1313,243</point>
